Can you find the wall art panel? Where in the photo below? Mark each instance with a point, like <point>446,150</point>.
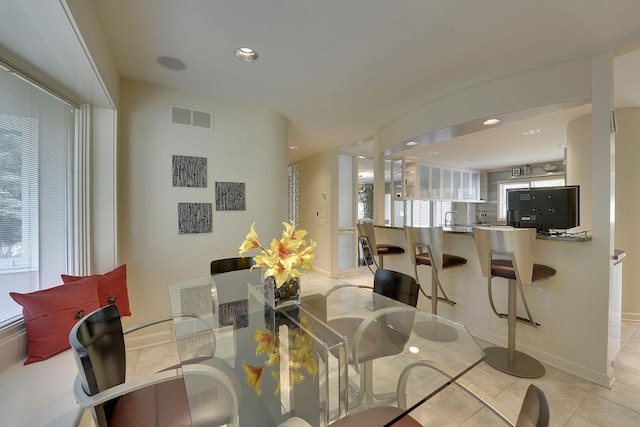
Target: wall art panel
<point>194,218</point>
<point>189,171</point>
<point>230,196</point>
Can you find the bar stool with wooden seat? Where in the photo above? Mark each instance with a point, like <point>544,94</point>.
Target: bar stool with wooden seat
<point>425,248</point>
<point>371,249</point>
<point>515,248</point>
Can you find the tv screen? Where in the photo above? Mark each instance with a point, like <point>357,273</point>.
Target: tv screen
<point>545,209</point>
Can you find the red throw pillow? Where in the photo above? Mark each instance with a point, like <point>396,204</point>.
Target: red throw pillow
<point>112,288</point>
<point>50,314</point>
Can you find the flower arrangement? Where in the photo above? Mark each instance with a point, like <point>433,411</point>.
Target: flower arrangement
<point>300,356</point>
<point>286,258</point>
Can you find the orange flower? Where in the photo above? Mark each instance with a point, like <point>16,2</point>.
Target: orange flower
<point>265,340</point>
<point>276,376</point>
<point>288,257</point>
<point>250,240</point>
<point>300,357</point>
<point>254,376</point>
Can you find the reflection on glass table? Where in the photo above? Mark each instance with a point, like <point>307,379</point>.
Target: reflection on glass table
<point>283,360</point>
<point>290,363</point>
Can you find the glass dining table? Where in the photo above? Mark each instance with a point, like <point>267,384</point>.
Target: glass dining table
<point>293,363</point>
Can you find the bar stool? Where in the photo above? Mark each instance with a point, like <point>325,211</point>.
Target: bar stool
<point>515,246</point>
<point>370,249</point>
<point>425,248</point>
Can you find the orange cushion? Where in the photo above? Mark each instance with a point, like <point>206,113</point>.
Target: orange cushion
<point>112,288</point>
<point>50,314</point>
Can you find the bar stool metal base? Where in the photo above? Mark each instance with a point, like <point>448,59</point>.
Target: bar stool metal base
<point>435,331</point>
<point>523,366</point>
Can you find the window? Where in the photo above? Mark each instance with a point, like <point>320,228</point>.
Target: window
<point>36,137</point>
<point>293,193</point>
<point>503,186</point>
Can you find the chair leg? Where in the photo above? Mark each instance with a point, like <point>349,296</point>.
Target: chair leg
<point>509,360</point>
<point>365,391</point>
<point>432,329</point>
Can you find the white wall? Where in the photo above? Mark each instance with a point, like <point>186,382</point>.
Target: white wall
<point>628,207</point>
<point>318,183</point>
<point>544,85</point>
<point>248,144</point>
<point>627,177</point>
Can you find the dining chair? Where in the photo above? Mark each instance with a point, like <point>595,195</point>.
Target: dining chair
<point>534,411</point>
<point>508,253</point>
<point>159,399</point>
<point>382,334</point>
<point>425,248</point>
<point>224,265</point>
<point>371,249</point>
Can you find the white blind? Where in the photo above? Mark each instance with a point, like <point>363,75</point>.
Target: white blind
<point>36,134</point>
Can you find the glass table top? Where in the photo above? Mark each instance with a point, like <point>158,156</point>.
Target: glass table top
<point>307,360</point>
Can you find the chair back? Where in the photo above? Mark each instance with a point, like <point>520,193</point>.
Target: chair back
<point>403,288</point>
<point>516,243</point>
<point>97,341</point>
<point>399,286</point>
<point>535,409</point>
<point>224,265</point>
<point>368,234</point>
<point>429,239</point>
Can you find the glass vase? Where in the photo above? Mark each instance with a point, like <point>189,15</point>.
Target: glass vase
<point>286,295</point>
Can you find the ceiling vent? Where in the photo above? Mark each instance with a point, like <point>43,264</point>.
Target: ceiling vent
<point>185,116</point>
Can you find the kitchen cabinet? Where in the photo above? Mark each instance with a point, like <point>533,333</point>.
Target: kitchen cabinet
<point>432,182</point>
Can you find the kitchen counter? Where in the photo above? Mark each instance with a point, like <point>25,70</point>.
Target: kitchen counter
<point>468,229</point>
<point>563,304</point>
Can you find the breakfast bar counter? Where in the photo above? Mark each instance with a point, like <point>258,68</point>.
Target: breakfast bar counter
<point>564,304</point>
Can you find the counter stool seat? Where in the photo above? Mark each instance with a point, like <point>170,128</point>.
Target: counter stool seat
<point>448,260</point>
<point>372,249</point>
<point>504,268</point>
<point>514,248</point>
<point>389,250</point>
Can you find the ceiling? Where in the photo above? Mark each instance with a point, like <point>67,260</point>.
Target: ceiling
<point>340,70</point>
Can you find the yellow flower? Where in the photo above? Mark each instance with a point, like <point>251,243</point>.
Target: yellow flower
<point>274,360</point>
<point>250,241</point>
<point>254,376</point>
<point>265,341</point>
<point>301,356</point>
<point>286,258</point>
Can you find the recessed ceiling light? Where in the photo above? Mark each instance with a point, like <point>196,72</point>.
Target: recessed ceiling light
<point>531,132</point>
<point>293,147</point>
<point>246,54</point>
<point>171,63</point>
<point>434,153</point>
<point>412,143</point>
<point>490,122</point>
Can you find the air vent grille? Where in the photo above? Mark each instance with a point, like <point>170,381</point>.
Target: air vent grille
<point>201,119</point>
<point>185,116</point>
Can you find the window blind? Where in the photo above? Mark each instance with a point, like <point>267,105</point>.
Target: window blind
<point>36,136</point>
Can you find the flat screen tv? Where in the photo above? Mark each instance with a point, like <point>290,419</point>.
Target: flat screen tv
<point>545,209</point>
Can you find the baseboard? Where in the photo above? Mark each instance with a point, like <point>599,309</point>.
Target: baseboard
<point>631,317</point>
<point>605,379</point>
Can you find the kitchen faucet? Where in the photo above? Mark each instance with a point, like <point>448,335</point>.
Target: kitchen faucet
<point>450,222</point>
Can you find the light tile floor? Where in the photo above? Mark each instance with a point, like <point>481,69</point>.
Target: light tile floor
<point>573,401</point>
